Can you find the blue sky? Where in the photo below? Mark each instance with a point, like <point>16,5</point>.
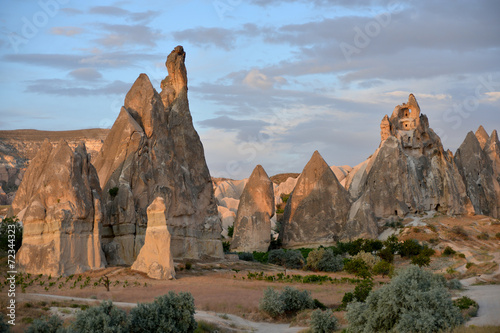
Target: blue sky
<point>270,81</point>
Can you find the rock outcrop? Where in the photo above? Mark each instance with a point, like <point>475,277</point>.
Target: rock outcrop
<point>252,228</point>
<point>59,203</point>
<point>317,211</point>
<point>19,147</point>
<point>153,151</point>
<point>482,136</point>
<point>492,149</point>
<point>477,173</point>
<point>409,173</point>
<point>155,258</point>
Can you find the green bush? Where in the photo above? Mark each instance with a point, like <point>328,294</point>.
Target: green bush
<point>357,267</point>
<point>288,259</point>
<point>464,302</point>
<point>483,236</point>
<point>168,313</point>
<point>52,324</point>
<point>260,256</point>
<point>392,243</point>
<point>226,247</point>
<point>105,318</point>
<point>285,303</point>
<point>386,254</point>
<point>323,321</point>
<point>410,248</point>
<point>455,284</point>
<point>4,234</point>
<point>497,235</point>
<point>368,258</point>
<point>421,260</point>
<point>383,268</point>
<point>414,301</point>
<point>448,251</point>
<point>247,256</point>
<point>230,230</point>
<point>359,294</point>
<point>324,260</point>
<point>469,265</point>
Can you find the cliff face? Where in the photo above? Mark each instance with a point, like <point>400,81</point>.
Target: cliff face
<point>19,147</point>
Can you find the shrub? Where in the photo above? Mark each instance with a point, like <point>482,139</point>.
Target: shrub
<point>4,327</point>
<point>285,303</point>
<point>414,301</point>
<point>392,243</point>
<point>448,251</point>
<point>230,230</point>
<point>6,225</point>
<point>323,321</point>
<point>483,236</point>
<point>455,284</point>
<point>459,231</point>
<point>46,325</point>
<point>497,235</point>
<point>189,265</point>
<point>324,260</point>
<point>410,248</point>
<point>288,259</point>
<point>464,302</point>
<point>357,267</point>
<point>260,256</point>
<point>421,260</point>
<point>104,318</point>
<point>113,192</point>
<point>469,265</point>
<point>168,313</point>
<point>368,258</point>
<point>386,254</point>
<point>247,256</point>
<point>383,268</point>
<point>226,247</point>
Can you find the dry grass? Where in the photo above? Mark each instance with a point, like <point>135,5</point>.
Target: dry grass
<point>477,329</point>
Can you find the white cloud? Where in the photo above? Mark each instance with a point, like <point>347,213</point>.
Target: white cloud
<point>493,96</point>
<point>258,80</point>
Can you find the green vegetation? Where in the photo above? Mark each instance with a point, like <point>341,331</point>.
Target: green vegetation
<point>323,321</point>
<point>230,230</point>
<point>46,325</point>
<point>113,192</point>
<point>285,303</point>
<point>311,278</point>
<point>10,226</point>
<point>414,301</point>
<point>324,260</point>
<point>287,259</point>
<point>448,251</point>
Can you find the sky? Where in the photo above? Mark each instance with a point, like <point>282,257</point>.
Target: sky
<point>270,81</point>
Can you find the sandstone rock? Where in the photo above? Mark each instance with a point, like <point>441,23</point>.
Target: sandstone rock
<point>285,187</point>
<point>492,149</point>
<point>59,203</point>
<point>482,136</point>
<point>410,172</point>
<point>317,211</point>
<point>252,228</point>
<point>155,257</point>
<point>154,151</point>
<point>478,175</point>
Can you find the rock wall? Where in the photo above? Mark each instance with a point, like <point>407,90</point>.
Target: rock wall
<point>153,151</point>
<point>59,203</point>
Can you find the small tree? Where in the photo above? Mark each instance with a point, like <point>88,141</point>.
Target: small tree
<point>323,321</point>
<point>46,325</point>
<point>105,318</point>
<point>324,260</point>
<point>383,268</point>
<point>285,303</point>
<point>168,313</point>
<point>414,301</point>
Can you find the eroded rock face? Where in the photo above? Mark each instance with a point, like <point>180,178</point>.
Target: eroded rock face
<point>59,203</point>
<point>153,151</point>
<point>477,172</point>
<point>317,211</point>
<point>410,172</point>
<point>155,258</point>
<point>252,228</point>
<point>492,149</point>
<point>482,136</point>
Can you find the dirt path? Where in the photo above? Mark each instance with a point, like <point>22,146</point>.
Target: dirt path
<point>228,321</point>
<point>488,298</point>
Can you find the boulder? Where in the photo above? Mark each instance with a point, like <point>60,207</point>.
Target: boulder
<point>59,204</point>
<point>153,151</point>
<point>317,211</point>
<point>252,228</point>
<point>477,173</point>
<point>155,257</point>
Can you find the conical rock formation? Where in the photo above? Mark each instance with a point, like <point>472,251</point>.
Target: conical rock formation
<point>155,258</point>
<point>154,151</point>
<point>59,203</point>
<point>317,211</point>
<point>252,228</point>
<point>410,172</point>
<point>482,136</point>
<point>492,149</point>
<point>477,172</point>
